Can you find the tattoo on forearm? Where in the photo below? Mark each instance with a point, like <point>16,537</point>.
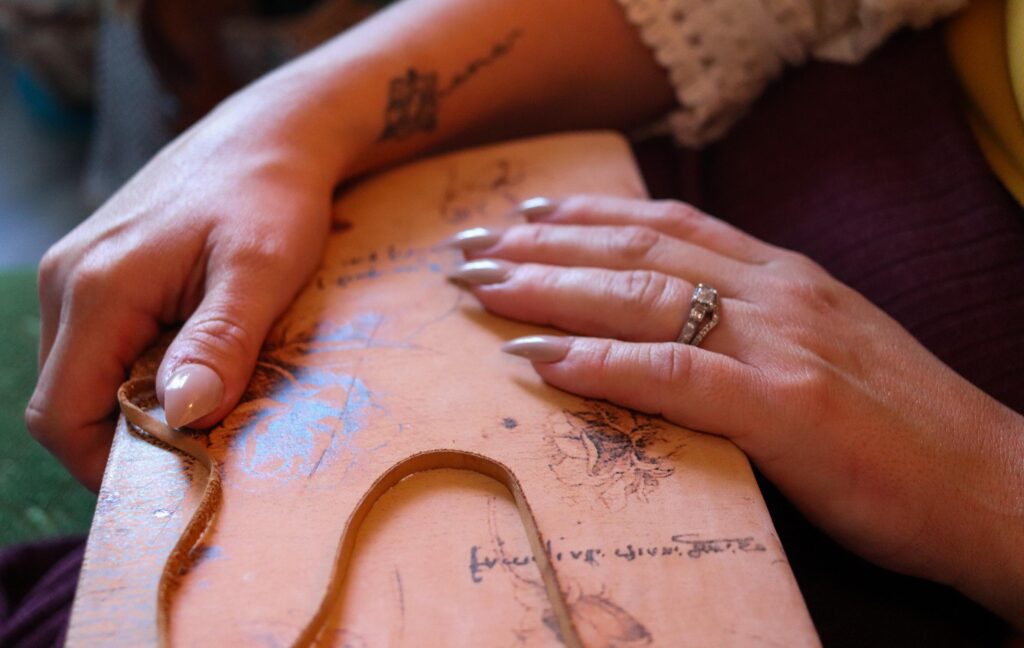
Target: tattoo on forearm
<point>413,98</point>
<point>498,50</point>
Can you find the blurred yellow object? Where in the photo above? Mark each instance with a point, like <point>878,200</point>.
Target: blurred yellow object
<point>986,47</point>
<point>1015,47</point>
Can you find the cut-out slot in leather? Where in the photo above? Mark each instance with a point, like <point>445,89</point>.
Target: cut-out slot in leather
<point>443,559</point>
<point>435,460</point>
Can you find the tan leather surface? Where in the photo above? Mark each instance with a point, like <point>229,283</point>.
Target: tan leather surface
<point>646,534</point>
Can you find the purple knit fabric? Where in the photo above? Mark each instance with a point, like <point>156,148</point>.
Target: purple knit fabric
<point>37,587</point>
<point>872,171</point>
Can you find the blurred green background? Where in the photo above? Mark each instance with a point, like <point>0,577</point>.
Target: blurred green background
<point>66,143</point>
<point>37,496</point>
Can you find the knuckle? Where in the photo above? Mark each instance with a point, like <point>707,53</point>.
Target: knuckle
<point>603,360</point>
<point>220,335</point>
<point>640,290</point>
<point>38,421</point>
<point>812,386</point>
<point>672,364</point>
<point>581,204</point>
<point>681,218</point>
<point>634,242</point>
<point>811,293</point>
<point>801,265</point>
<point>49,267</point>
<point>534,236</point>
<point>268,252</point>
<point>89,278</point>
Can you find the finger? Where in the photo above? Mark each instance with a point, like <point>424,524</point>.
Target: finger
<point>617,248</point>
<point>209,363</point>
<point>688,385</point>
<point>672,218</point>
<point>71,411</point>
<point>636,305</point>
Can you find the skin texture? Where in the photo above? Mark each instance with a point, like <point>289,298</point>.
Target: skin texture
<point>191,239</point>
<point>869,434</point>
<point>877,441</point>
<point>218,232</point>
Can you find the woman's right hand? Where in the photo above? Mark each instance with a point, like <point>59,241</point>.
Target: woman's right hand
<point>218,231</point>
<point>221,229</point>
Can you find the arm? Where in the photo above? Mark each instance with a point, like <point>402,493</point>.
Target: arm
<point>223,226</point>
<point>977,506</point>
<point>473,70</point>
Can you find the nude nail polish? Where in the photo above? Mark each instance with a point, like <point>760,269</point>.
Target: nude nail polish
<point>192,392</point>
<point>537,208</point>
<point>539,348</point>
<point>476,238</point>
<point>481,272</point>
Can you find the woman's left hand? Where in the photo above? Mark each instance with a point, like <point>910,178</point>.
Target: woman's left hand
<point>874,438</point>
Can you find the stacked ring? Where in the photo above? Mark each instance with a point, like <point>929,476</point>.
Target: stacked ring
<point>703,315</point>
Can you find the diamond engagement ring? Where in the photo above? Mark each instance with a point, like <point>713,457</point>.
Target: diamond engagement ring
<point>703,315</point>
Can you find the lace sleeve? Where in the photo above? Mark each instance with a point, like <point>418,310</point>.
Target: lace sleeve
<point>720,54</point>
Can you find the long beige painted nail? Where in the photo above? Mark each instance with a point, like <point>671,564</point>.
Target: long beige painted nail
<point>539,348</point>
<point>481,271</point>
<point>192,392</point>
<point>535,209</point>
<point>476,238</point>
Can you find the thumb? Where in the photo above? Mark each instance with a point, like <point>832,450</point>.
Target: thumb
<point>206,368</point>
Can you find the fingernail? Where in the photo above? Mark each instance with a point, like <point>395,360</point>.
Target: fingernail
<point>538,208</point>
<point>539,348</point>
<point>481,271</point>
<point>192,392</point>
<point>476,238</point>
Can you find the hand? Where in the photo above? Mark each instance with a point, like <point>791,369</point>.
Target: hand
<point>869,434</point>
<point>218,231</point>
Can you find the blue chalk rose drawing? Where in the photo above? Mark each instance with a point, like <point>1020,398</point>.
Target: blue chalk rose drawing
<point>300,412</point>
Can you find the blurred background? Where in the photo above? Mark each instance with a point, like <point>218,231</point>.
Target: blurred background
<point>90,90</point>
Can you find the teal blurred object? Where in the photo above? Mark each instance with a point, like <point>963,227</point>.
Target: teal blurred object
<point>48,109</point>
<point>38,497</point>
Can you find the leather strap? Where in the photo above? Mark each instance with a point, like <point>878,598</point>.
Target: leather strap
<point>158,433</point>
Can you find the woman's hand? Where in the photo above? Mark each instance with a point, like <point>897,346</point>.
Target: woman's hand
<point>218,231</point>
<point>869,434</point>
<point>224,225</point>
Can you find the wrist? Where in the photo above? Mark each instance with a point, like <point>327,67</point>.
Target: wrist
<point>329,106</point>
<point>309,114</point>
<point>978,513</point>
<point>274,121</point>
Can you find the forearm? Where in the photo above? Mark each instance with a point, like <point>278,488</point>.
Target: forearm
<point>979,522</point>
<point>952,491</point>
<point>472,70</point>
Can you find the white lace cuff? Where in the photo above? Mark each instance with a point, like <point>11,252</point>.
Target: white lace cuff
<point>720,54</point>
